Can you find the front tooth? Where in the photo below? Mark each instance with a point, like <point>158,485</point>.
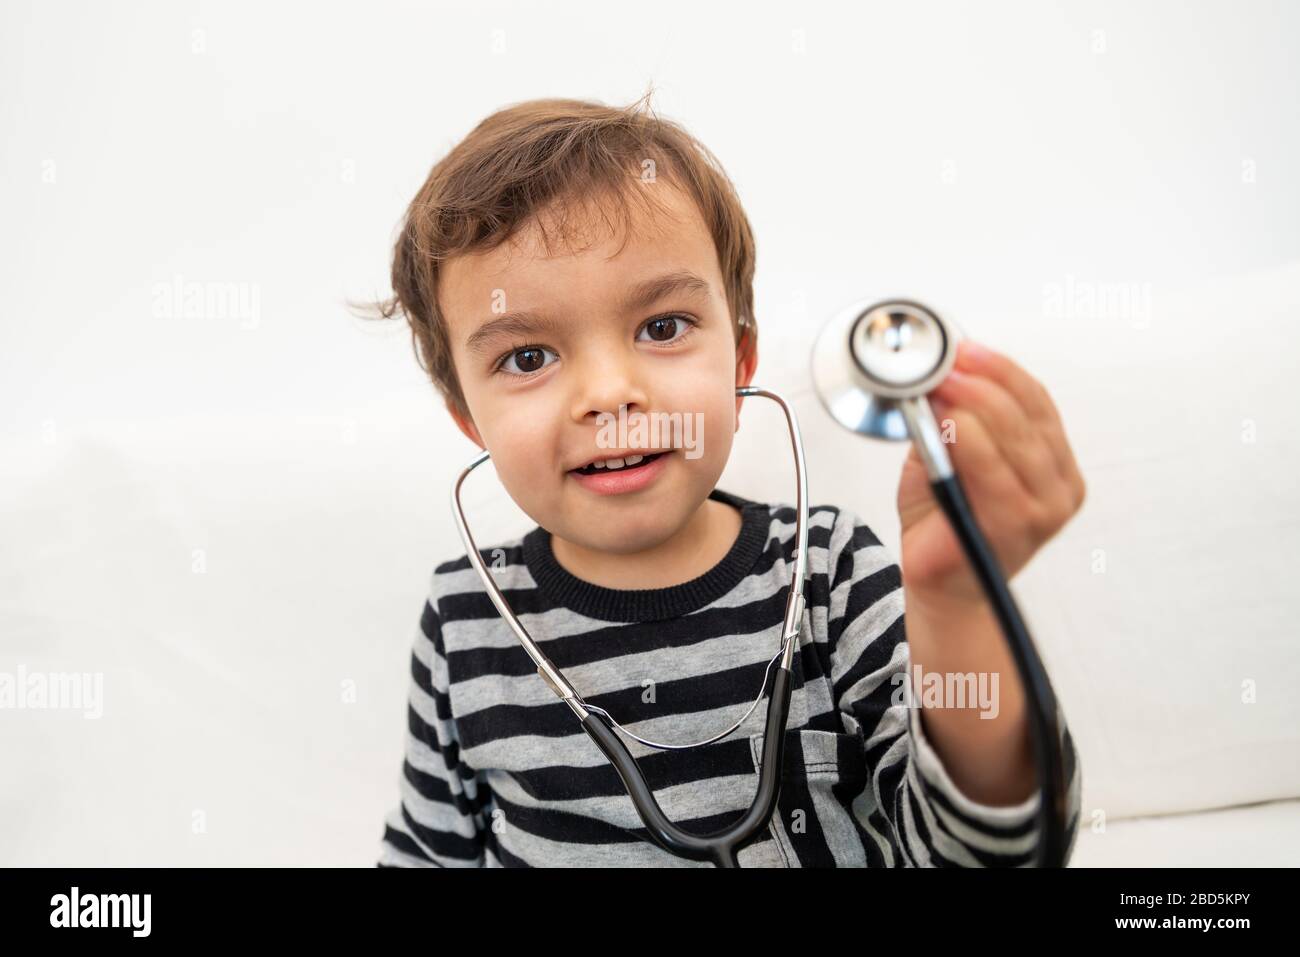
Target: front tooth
<point>613,463</point>
<point>633,459</point>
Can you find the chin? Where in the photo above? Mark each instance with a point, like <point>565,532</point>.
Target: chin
<point>631,529</point>
<point>628,538</point>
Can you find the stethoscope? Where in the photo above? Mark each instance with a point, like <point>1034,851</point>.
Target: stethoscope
<point>873,366</point>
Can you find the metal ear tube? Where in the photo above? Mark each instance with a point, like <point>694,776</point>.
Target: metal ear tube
<point>720,847</point>
<point>873,366</point>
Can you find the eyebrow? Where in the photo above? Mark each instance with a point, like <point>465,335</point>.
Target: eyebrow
<point>646,293</point>
<point>640,296</point>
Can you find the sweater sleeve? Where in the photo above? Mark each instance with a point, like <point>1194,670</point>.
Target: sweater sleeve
<point>930,822</point>
<point>438,821</point>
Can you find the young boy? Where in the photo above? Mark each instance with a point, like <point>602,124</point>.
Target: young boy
<point>569,262</point>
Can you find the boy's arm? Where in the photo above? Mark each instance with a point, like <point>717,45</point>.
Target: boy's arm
<point>1007,441</point>
<point>439,820</point>
<point>930,819</point>
<point>988,760</point>
<point>988,751</point>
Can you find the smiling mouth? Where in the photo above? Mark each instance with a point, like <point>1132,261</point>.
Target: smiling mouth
<point>603,470</point>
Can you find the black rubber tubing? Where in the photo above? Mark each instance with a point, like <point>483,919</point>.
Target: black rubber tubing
<point>721,846</point>
<point>1040,698</point>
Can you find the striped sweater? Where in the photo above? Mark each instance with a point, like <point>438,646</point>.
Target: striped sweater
<point>499,773</point>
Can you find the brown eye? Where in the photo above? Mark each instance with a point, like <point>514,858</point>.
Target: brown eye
<point>667,328</point>
<point>528,360</point>
<point>662,329</point>
<point>524,361</point>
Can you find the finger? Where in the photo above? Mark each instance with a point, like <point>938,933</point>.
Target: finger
<point>1019,439</point>
<point>1033,397</point>
<point>979,359</point>
<point>1003,508</point>
<point>978,460</point>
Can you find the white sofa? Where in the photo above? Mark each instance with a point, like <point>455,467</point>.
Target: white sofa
<point>248,587</point>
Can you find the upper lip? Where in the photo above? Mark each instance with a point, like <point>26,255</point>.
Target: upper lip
<point>606,454</point>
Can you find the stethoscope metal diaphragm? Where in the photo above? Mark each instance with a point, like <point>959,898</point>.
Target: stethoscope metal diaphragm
<point>876,353</point>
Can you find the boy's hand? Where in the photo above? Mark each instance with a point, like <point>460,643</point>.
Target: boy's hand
<point>1010,452</point>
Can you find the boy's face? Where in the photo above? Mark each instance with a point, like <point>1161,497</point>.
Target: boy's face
<point>541,391</point>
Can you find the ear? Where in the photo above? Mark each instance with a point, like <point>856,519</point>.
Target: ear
<point>746,366</point>
<point>465,423</point>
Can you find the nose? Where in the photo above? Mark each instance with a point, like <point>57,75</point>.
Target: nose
<point>606,379</point>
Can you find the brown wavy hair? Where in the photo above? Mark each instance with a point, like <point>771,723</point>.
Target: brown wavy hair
<point>548,156</point>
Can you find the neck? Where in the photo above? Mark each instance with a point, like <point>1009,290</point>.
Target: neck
<point>697,547</point>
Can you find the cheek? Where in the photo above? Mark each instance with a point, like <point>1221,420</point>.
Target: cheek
<point>713,421</point>
<point>704,386</point>
<point>722,420</point>
<point>520,436</point>
<point>706,382</point>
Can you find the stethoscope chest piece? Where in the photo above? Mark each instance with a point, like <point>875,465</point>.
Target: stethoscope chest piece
<point>875,353</point>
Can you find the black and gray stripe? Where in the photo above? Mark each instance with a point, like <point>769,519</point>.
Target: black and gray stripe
<point>498,772</point>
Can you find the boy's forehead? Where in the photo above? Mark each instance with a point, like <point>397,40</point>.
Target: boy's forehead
<point>591,250</point>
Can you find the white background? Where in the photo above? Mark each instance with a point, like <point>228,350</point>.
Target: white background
<point>1004,162</point>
